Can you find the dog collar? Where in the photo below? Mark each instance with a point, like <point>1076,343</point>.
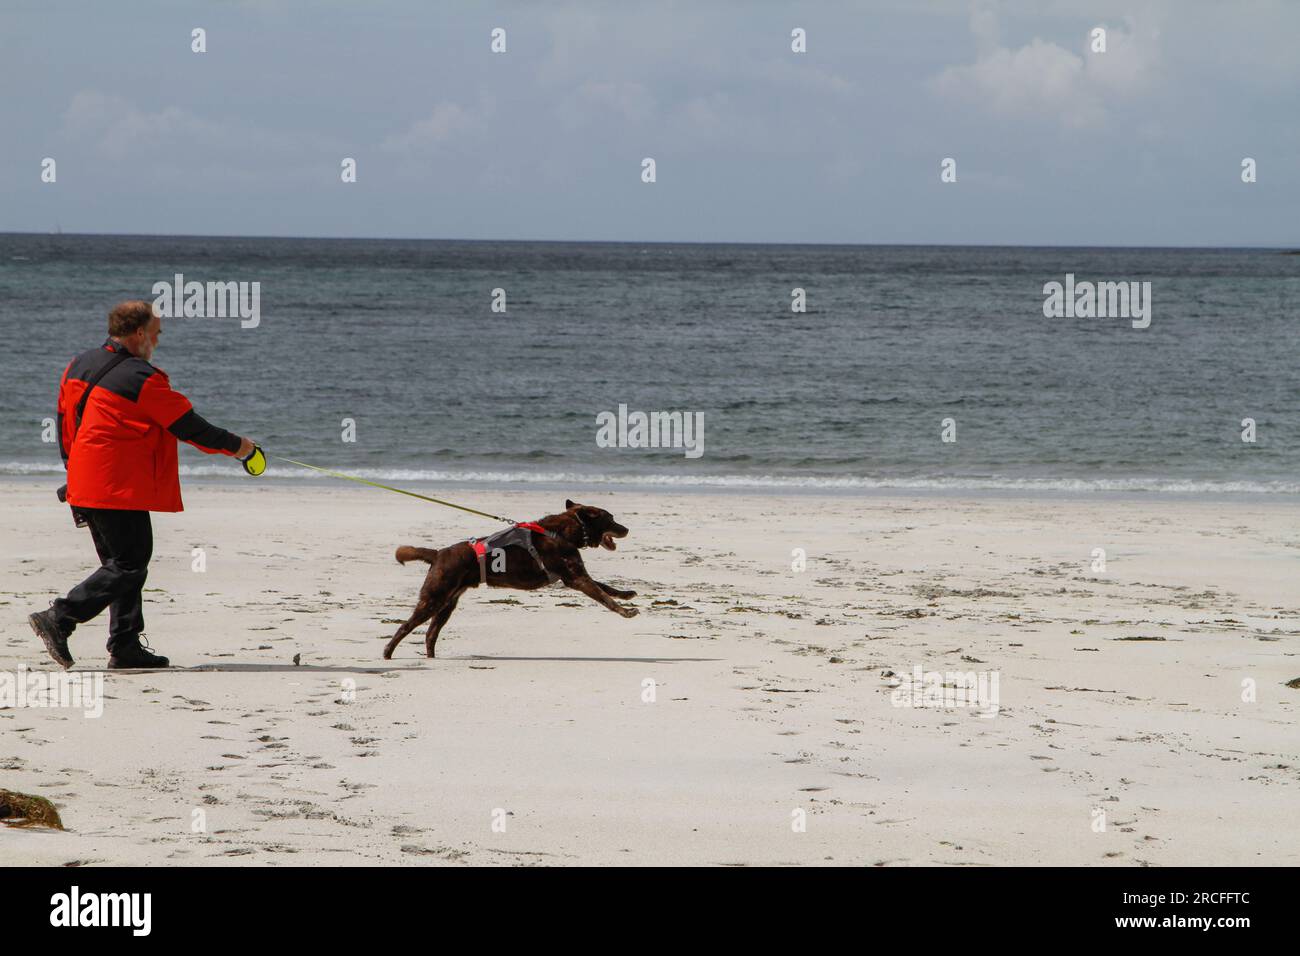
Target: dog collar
<point>583,525</point>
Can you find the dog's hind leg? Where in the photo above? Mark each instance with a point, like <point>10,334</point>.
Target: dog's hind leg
<point>598,593</point>
<point>423,611</point>
<point>439,620</point>
<point>615,592</point>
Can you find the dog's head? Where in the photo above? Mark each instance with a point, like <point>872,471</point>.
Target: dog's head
<point>599,524</point>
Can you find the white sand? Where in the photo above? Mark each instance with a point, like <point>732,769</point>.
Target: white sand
<point>535,706</point>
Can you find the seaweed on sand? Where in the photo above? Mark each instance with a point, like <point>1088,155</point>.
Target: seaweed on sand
<point>20,810</point>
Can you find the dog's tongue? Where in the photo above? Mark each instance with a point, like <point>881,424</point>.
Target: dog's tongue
<point>607,541</point>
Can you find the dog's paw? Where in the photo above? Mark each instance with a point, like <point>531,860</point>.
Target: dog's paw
<point>629,612</point>
<point>628,595</point>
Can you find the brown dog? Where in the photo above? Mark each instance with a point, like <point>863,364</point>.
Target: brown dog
<point>525,557</point>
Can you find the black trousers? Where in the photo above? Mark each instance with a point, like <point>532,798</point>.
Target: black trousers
<point>124,540</point>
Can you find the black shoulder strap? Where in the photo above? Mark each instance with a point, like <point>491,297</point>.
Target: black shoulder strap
<point>113,363</point>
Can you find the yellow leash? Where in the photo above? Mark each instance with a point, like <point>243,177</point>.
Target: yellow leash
<point>375,484</point>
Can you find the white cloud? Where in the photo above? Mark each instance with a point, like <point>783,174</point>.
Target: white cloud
<point>708,111</point>
<point>115,128</point>
<point>1044,80</point>
<point>447,123</point>
<point>632,102</point>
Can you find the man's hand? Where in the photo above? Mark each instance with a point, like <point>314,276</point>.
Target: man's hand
<point>246,447</point>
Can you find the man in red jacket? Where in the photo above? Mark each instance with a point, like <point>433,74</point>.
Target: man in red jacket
<point>119,420</point>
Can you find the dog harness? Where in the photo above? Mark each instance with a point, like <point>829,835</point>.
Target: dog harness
<point>518,536</point>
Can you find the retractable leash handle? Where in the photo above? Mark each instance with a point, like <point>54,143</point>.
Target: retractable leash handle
<point>255,462</point>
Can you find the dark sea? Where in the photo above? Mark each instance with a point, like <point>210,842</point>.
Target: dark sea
<point>851,395</point>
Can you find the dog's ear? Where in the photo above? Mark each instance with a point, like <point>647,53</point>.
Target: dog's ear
<point>568,504</point>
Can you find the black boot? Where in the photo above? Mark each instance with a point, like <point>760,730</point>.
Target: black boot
<point>135,656</point>
<point>56,640</point>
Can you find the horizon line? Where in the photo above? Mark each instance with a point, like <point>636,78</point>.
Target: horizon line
<point>653,242</point>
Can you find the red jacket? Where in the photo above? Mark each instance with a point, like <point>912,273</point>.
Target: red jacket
<point>123,455</point>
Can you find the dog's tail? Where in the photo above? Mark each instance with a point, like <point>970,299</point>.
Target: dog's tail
<point>407,553</point>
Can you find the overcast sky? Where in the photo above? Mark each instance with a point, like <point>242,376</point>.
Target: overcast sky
<point>1054,144</point>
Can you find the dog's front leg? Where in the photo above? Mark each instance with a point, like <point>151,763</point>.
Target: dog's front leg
<point>587,586</point>
<point>615,592</point>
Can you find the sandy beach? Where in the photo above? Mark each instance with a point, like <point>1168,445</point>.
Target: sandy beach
<point>1123,733</point>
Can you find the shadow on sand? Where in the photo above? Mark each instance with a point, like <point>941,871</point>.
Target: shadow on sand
<point>414,667</point>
